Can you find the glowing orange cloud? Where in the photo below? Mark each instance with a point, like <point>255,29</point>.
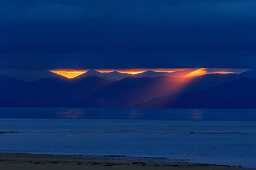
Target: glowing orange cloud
<point>222,72</point>
<point>131,72</point>
<point>197,73</point>
<point>70,74</point>
<point>193,73</point>
<point>105,71</point>
<point>178,72</point>
<point>164,70</point>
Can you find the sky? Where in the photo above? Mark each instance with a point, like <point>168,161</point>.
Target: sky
<point>55,34</point>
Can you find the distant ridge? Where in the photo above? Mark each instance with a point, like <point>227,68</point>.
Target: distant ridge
<point>239,93</point>
<point>112,76</point>
<point>209,91</point>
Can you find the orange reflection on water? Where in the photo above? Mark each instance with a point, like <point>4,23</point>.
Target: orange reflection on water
<point>134,114</point>
<point>70,74</point>
<point>71,114</point>
<point>196,115</point>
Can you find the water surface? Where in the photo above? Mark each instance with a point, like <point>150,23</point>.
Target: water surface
<point>133,133</point>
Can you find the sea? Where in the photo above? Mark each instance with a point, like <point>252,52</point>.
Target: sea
<point>212,136</point>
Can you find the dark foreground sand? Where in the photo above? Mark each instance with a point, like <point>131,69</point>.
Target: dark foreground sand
<point>52,162</point>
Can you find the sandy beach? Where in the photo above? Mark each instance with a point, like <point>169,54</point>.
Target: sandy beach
<point>19,161</point>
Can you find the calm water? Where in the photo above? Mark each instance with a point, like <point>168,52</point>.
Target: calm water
<point>218,142</point>
<point>145,114</point>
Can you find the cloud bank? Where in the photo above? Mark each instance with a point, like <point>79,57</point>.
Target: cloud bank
<point>46,34</point>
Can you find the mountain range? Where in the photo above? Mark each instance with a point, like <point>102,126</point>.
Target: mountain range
<point>152,91</point>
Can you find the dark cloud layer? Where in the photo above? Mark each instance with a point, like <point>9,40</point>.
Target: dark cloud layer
<point>45,34</point>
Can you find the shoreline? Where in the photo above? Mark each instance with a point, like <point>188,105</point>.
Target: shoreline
<point>27,161</point>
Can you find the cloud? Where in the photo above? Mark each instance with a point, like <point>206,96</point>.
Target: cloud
<point>138,11</point>
<point>134,33</point>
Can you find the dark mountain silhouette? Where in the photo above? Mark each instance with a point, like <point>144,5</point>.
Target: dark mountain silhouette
<point>239,93</point>
<point>9,82</point>
<point>27,75</point>
<point>115,75</point>
<point>10,89</point>
<point>163,91</point>
<point>152,74</point>
<point>130,91</point>
<point>56,92</point>
<point>210,80</point>
<point>249,74</point>
<point>111,76</point>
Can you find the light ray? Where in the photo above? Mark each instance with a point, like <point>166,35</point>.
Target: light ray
<point>197,73</point>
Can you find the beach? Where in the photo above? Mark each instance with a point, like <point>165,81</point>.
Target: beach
<point>220,143</point>
<point>22,161</point>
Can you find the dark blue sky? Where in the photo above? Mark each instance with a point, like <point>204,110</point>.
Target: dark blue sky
<point>46,34</point>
